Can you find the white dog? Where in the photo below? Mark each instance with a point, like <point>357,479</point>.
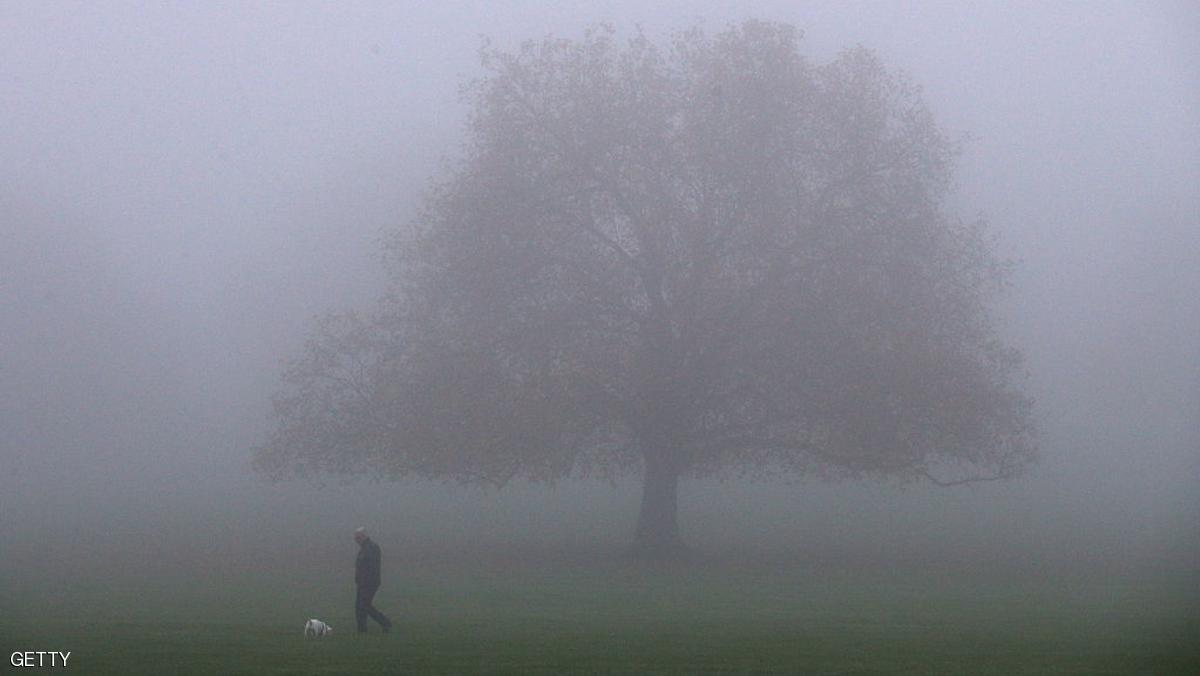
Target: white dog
<point>315,627</point>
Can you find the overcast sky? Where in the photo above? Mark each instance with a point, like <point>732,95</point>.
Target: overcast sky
<point>184,185</point>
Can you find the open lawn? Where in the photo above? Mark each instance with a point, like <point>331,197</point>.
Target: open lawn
<point>514,616</point>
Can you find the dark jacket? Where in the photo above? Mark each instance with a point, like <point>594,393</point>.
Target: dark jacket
<point>366,566</point>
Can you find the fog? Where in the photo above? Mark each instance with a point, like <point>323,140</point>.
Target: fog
<point>183,187</point>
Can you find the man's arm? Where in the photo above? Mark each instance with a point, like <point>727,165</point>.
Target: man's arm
<point>375,564</point>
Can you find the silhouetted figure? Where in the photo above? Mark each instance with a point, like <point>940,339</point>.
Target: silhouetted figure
<point>366,580</point>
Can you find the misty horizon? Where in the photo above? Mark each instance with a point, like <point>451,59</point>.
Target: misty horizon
<point>187,187</point>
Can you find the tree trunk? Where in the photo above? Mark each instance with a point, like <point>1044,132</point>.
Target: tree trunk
<point>658,527</point>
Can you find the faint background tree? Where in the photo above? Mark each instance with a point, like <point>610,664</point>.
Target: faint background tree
<point>709,256</point>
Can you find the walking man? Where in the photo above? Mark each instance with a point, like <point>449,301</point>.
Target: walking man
<point>366,579</point>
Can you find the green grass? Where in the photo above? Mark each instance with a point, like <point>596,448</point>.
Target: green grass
<point>529,616</point>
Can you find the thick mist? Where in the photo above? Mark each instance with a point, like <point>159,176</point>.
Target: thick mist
<point>184,187</point>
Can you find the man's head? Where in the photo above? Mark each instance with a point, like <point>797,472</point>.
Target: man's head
<point>360,534</point>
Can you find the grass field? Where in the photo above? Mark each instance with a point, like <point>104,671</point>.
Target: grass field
<point>610,616</point>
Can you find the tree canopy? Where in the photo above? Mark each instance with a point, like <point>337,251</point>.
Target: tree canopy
<point>705,256</point>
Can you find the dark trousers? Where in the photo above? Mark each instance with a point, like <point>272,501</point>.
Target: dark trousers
<point>363,609</point>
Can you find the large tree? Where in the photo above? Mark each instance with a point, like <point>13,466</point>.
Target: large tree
<point>703,257</point>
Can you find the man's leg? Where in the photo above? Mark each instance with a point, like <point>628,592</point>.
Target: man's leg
<point>370,609</point>
<point>362,601</point>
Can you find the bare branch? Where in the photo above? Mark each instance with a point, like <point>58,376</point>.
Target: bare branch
<point>968,480</point>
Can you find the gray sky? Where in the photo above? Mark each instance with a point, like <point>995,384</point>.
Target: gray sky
<point>184,185</point>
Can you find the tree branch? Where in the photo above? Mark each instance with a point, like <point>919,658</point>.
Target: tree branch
<point>971,479</point>
<point>590,226</point>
